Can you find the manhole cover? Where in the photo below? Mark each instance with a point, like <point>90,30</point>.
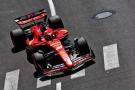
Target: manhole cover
<point>103,15</point>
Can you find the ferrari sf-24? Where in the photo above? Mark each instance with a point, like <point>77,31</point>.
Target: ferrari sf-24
<point>47,44</point>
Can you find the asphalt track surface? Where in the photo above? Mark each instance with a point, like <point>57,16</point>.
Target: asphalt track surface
<point>77,17</point>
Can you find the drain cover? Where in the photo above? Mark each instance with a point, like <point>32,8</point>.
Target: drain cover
<point>103,15</point>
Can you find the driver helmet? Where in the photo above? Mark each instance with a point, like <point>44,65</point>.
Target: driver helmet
<point>49,36</point>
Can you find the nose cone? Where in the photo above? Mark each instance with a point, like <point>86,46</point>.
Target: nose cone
<point>68,62</point>
<point>66,59</point>
<point>57,45</point>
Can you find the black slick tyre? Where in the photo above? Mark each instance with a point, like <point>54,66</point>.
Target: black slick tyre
<point>82,46</point>
<point>37,74</point>
<point>55,22</point>
<point>40,59</point>
<point>18,38</point>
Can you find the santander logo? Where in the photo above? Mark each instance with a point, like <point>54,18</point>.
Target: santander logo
<point>59,47</point>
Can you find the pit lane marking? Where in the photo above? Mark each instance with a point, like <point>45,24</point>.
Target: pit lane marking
<point>111,59</point>
<point>78,74</point>
<point>11,80</point>
<point>58,86</point>
<point>52,8</point>
<point>43,83</point>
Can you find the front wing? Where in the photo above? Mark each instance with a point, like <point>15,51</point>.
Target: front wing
<point>77,62</point>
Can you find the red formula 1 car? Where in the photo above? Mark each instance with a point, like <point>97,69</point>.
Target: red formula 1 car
<point>47,45</point>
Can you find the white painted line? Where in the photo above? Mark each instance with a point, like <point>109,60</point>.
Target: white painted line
<point>11,80</point>
<point>43,83</point>
<point>111,60</point>
<point>52,8</point>
<point>58,86</point>
<point>78,74</point>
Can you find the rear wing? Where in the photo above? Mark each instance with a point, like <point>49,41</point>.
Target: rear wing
<point>31,17</point>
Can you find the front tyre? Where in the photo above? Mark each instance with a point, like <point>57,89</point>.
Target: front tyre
<point>37,74</point>
<point>40,59</point>
<point>82,46</point>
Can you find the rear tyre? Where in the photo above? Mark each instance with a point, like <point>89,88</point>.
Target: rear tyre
<point>55,22</point>
<point>82,46</point>
<point>18,38</point>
